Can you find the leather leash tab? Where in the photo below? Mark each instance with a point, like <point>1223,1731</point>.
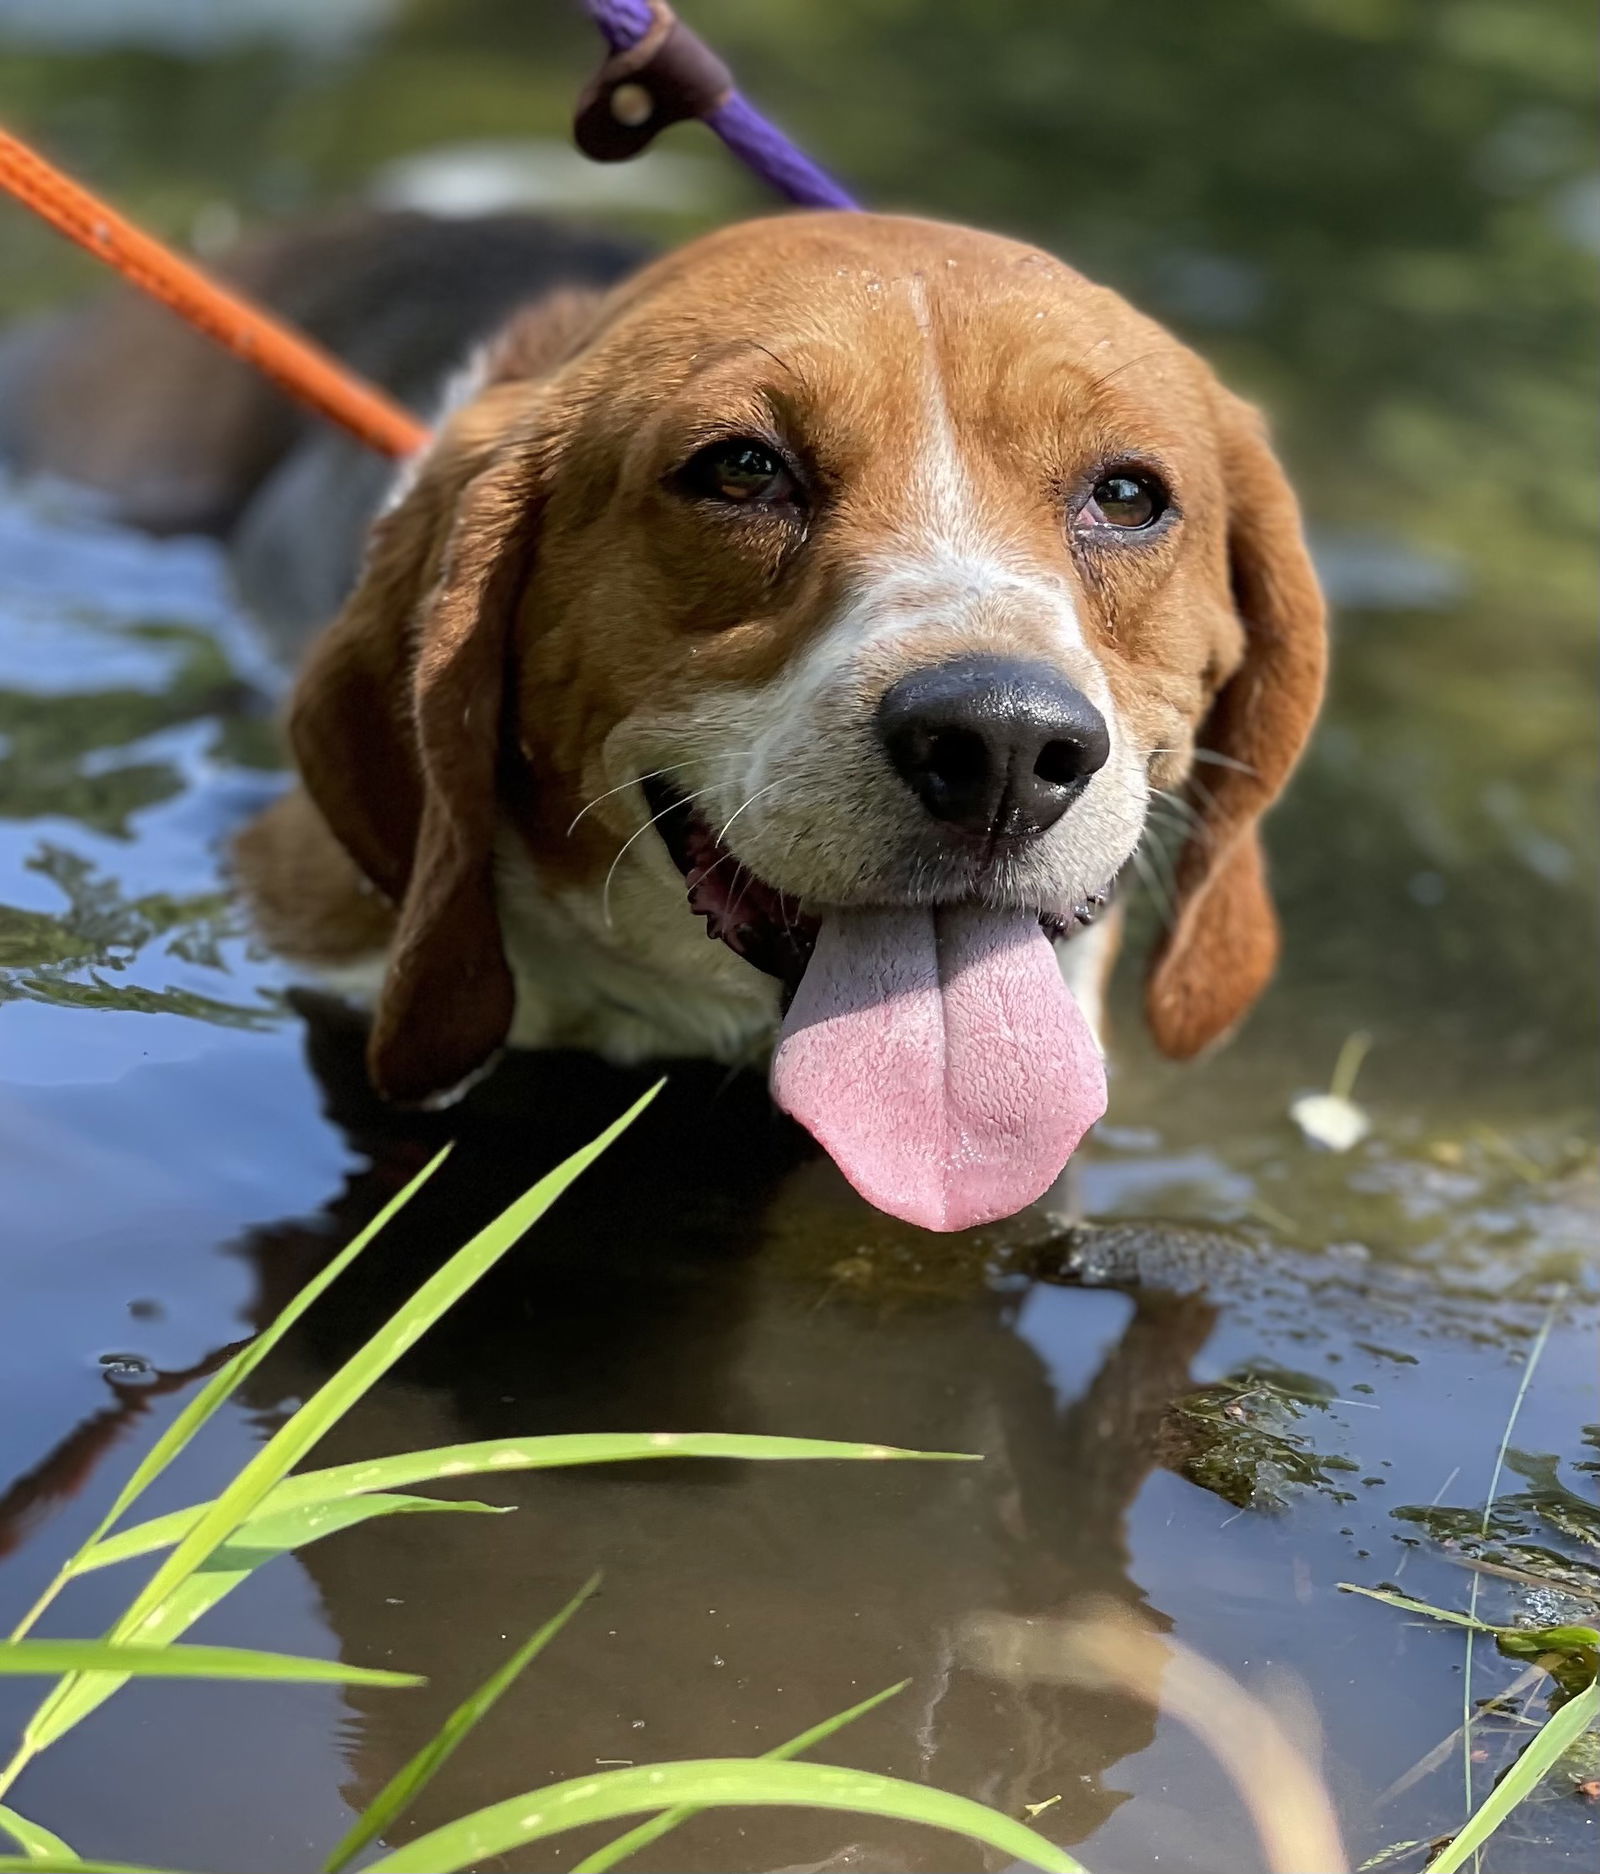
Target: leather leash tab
<point>667,77</point>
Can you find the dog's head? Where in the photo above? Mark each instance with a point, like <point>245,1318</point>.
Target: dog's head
<point>851,567</point>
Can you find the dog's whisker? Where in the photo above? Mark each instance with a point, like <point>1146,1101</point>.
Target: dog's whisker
<point>1157,887</point>
<point>727,858</point>
<point>1197,822</point>
<point>638,833</point>
<point>1212,755</point>
<point>1126,365</point>
<point>739,896</point>
<point>1177,803</point>
<point>784,899</point>
<point>671,767</point>
<point>1226,761</point>
<point>1210,799</point>
<point>622,788</point>
<point>1154,842</point>
<point>748,803</point>
<point>744,886</point>
<point>1159,825</point>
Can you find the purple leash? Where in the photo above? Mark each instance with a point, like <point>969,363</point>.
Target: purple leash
<point>660,73</point>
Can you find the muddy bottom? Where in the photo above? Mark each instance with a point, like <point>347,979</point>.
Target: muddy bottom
<point>1259,1372</point>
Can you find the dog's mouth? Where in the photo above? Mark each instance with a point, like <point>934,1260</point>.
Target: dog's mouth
<point>934,1051</point>
<point>767,927</point>
<point>764,926</point>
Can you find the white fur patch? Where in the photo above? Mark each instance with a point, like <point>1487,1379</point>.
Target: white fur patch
<point>458,390</point>
<point>1086,961</point>
<point>627,973</point>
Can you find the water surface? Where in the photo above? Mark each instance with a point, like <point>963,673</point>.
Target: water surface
<point>1261,1371</point>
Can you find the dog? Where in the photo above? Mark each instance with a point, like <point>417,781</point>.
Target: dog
<point>841,588</point>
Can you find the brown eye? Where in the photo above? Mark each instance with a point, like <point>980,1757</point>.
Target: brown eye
<point>1129,500</point>
<point>744,471</point>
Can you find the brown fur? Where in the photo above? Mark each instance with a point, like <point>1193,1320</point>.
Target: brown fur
<point>1222,946</point>
<point>539,589</point>
<point>396,729</point>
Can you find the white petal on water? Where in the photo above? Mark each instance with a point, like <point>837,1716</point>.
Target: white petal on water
<point>1330,1120</point>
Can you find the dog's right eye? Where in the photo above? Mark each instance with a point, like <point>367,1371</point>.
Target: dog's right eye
<point>744,471</point>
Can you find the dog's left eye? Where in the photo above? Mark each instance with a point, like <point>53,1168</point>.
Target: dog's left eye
<point>1127,499</point>
<point>743,471</point>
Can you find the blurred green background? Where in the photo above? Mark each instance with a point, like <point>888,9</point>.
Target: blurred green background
<point>1379,217</point>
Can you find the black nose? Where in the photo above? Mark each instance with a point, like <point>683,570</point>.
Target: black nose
<point>993,745</point>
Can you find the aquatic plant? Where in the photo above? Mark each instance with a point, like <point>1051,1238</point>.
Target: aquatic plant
<point>1569,1655</point>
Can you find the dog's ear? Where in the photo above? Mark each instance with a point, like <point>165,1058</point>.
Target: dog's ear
<point>398,716</point>
<point>396,727</point>
<point>1222,943</point>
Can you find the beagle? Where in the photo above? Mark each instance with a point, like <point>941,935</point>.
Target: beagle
<point>838,589</point>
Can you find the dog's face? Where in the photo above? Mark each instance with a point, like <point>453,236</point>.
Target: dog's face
<point>838,561</point>
<point>850,554</point>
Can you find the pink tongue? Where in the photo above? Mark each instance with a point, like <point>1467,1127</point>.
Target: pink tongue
<point>940,1060</point>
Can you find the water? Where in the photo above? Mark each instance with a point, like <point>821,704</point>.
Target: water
<point>1263,1371</point>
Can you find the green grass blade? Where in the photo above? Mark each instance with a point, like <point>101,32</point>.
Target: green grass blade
<point>1521,1642</point>
<point>1551,1741</point>
<point>185,1662</point>
<point>227,1379</point>
<point>234,1562</point>
<point>38,1844</point>
<point>714,1783</point>
<point>549,1452</point>
<point>652,1831</point>
<point>412,1778</point>
<point>220,1387</point>
<point>223,1515</point>
<point>1529,1368</point>
<point>1408,1606</point>
<point>292,1528</point>
<point>289,1444</point>
<point>70,1864</point>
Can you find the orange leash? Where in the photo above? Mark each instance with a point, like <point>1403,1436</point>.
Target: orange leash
<point>303,369</point>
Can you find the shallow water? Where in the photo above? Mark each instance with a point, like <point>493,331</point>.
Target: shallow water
<point>1261,1371</point>
<point>1229,1395</point>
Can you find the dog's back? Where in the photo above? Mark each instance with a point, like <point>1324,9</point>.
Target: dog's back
<point>179,437</point>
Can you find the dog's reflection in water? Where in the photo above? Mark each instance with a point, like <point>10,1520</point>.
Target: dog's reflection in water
<point>709,1274</point>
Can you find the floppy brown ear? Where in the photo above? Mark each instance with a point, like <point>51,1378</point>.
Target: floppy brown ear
<point>396,727</point>
<point>1222,944</point>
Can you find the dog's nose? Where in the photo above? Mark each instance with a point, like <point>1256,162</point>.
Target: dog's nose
<point>993,745</point>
